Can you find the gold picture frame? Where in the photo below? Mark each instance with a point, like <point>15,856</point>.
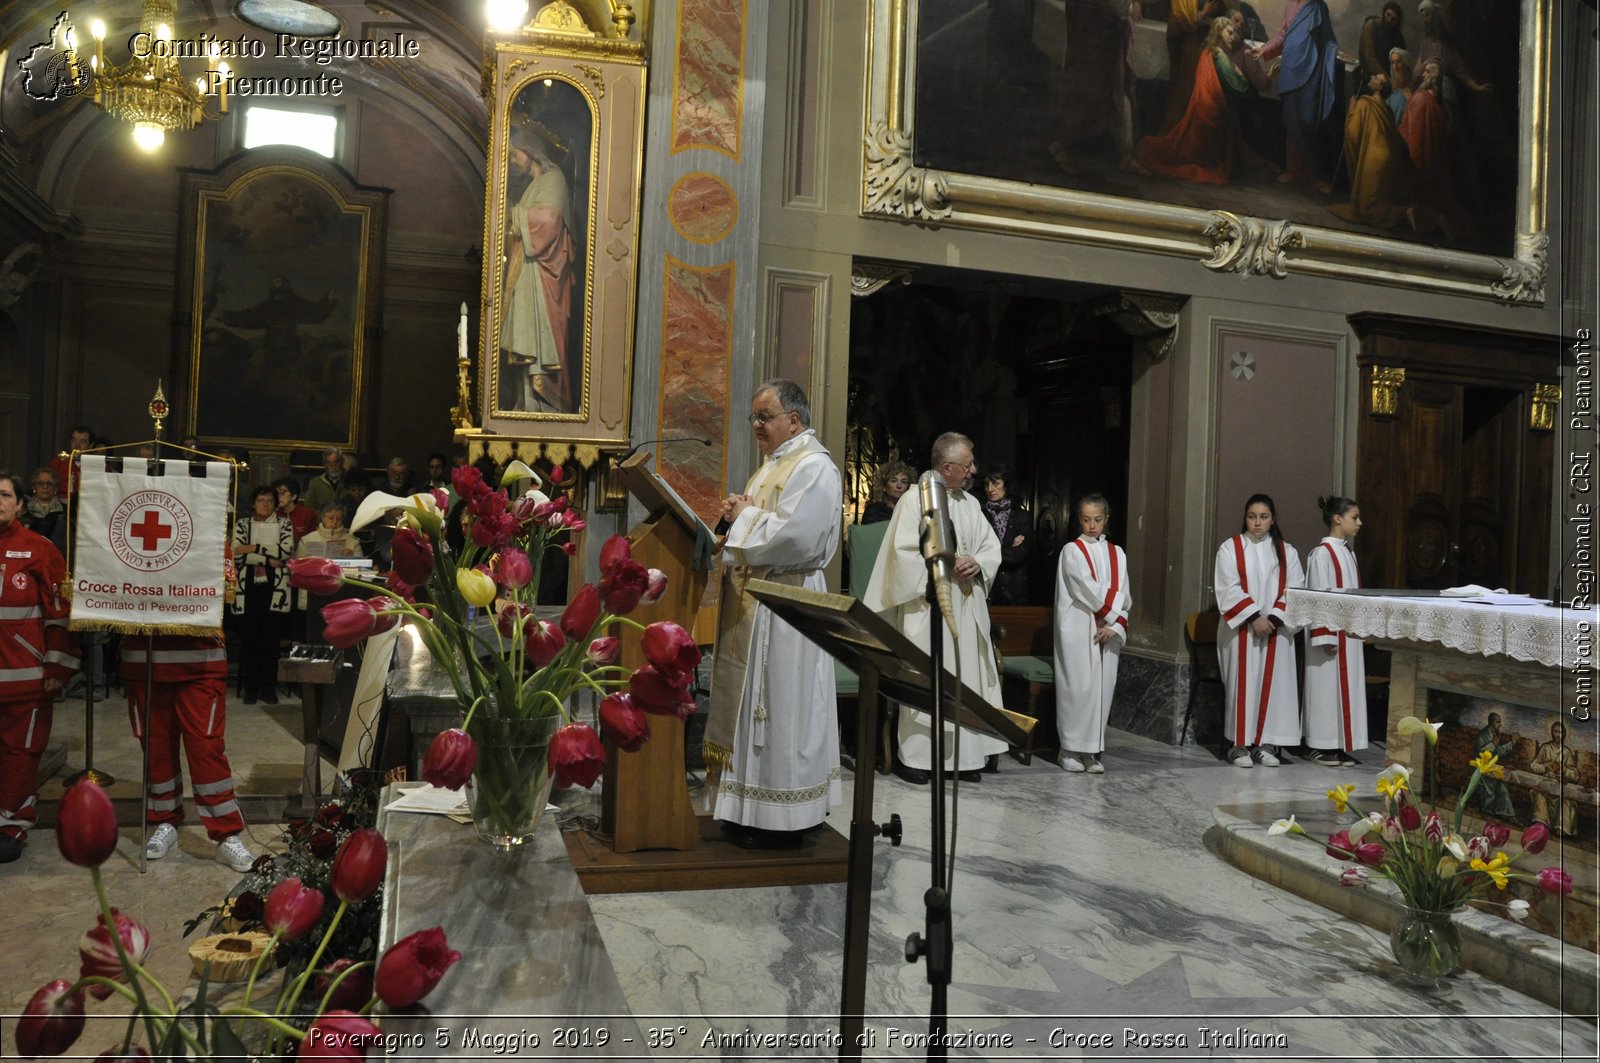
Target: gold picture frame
<point>280,290</point>
<point>561,239</point>
<point>894,186</point>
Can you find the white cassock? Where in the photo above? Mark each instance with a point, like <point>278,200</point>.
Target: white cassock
<point>772,736</point>
<point>1262,704</point>
<point>1336,683</point>
<point>898,592</point>
<point>1091,592</point>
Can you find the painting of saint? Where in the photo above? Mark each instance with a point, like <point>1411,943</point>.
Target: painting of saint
<point>543,303</point>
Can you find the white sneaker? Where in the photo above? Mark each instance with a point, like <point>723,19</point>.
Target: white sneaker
<point>1267,756</point>
<point>1071,762</point>
<point>232,852</point>
<point>1239,757</point>
<point>161,841</point>
<point>1094,766</point>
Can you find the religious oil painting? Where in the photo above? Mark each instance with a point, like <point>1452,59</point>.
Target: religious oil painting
<point>280,293</point>
<point>1551,773</point>
<point>562,219</point>
<point>1265,124</point>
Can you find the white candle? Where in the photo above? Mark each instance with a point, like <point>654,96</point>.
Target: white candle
<point>461,335</point>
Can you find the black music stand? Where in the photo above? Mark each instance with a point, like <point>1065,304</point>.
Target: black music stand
<point>890,666</point>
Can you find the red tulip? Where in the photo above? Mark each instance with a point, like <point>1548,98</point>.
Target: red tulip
<point>545,643</point>
<point>385,615</point>
<point>622,585</point>
<point>1497,833</point>
<point>292,909</point>
<point>450,759</point>
<point>506,621</point>
<point>570,521</point>
<point>1555,880</point>
<point>1410,815</point>
<point>1433,827</point>
<point>413,556</point>
<point>339,1035</point>
<point>347,622</point>
<point>604,651</point>
<point>413,966</point>
<point>493,530</point>
<point>670,648</point>
<point>654,691</point>
<point>116,1055</point>
<point>656,587</point>
<point>1370,853</point>
<point>576,755</point>
<point>1339,845</point>
<point>319,575</point>
<point>1535,838</point>
<point>98,953</point>
<point>468,482</point>
<point>440,499</point>
<point>570,549</point>
<point>51,1020</point>
<point>623,723</point>
<point>352,993</point>
<point>513,569</point>
<point>613,550</point>
<point>87,829</point>
<point>489,504</point>
<point>545,510</point>
<point>359,867</point>
<point>578,618</point>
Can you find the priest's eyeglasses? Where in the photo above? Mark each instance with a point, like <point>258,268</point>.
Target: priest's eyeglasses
<point>764,417</point>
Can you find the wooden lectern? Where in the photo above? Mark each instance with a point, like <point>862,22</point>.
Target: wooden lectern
<point>645,801</point>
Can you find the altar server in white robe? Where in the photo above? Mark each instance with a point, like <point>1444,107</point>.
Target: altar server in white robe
<point>1255,644</point>
<point>898,590</point>
<point>1092,603</point>
<point>1336,675</point>
<point>772,740</point>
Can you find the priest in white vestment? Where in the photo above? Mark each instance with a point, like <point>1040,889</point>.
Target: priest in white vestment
<point>772,739</point>
<point>898,591</point>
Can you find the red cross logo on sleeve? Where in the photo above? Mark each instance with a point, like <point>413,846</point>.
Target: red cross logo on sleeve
<point>150,531</point>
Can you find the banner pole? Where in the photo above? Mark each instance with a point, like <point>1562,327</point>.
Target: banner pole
<point>158,414</point>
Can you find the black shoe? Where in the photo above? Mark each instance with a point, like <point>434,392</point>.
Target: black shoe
<point>992,765</point>
<point>10,848</point>
<point>914,776</point>
<point>970,776</point>
<point>757,838</point>
<point>249,699</point>
<point>270,697</point>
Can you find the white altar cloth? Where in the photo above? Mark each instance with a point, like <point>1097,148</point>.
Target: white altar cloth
<point>1534,633</point>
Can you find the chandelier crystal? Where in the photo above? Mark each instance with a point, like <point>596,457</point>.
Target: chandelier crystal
<point>151,91</point>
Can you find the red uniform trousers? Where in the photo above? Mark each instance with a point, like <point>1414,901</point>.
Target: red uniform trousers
<point>193,708</point>
<point>24,731</point>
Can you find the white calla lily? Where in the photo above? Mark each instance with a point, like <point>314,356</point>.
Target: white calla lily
<point>517,471</point>
<point>1285,826</point>
<point>1360,829</point>
<point>1456,847</point>
<point>1396,771</point>
<point>375,505</point>
<point>1412,725</point>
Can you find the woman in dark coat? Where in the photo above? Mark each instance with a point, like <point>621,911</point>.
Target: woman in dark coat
<point>1013,525</point>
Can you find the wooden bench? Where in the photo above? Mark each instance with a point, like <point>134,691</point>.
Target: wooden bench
<point>1025,637</point>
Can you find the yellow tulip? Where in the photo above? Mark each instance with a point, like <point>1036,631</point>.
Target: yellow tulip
<point>476,587</point>
<point>1447,866</point>
<point>1340,796</point>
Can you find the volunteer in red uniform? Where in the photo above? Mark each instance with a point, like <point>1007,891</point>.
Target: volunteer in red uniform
<point>188,701</point>
<point>37,655</point>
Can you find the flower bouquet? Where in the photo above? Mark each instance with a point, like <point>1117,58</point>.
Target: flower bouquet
<point>515,677</point>
<point>1436,869</point>
<point>344,993</point>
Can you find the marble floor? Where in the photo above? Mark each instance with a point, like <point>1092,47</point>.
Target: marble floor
<point>1091,921</point>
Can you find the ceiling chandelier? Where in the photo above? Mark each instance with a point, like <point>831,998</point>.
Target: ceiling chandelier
<point>151,91</point>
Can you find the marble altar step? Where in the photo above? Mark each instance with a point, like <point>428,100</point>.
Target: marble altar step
<point>716,864</point>
<point>1541,966</point>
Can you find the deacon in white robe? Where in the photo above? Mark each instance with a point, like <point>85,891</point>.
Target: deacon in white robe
<point>1255,643</point>
<point>1091,627</point>
<point>1336,674</point>
<point>898,590</point>
<point>772,739</point>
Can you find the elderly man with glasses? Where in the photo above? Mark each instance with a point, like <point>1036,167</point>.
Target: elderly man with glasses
<point>772,743</point>
<point>898,592</point>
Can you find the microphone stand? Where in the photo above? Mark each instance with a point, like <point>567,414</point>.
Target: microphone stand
<point>937,941</point>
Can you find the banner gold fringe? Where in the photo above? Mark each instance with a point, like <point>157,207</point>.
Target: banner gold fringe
<point>718,758</point>
<point>143,629</point>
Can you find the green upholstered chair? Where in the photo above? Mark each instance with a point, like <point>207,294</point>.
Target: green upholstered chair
<point>861,547</point>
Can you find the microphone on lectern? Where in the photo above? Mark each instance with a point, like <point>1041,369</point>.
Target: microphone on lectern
<point>631,451</point>
<point>938,537</point>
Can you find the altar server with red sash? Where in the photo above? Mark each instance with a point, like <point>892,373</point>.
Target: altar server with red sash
<point>1336,676</point>
<point>1092,603</point>
<point>1255,644</point>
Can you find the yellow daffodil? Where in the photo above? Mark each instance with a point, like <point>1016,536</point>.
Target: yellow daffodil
<point>1411,725</point>
<point>1391,785</point>
<point>1340,796</point>
<point>1496,869</point>
<point>1489,764</point>
<point>1285,826</point>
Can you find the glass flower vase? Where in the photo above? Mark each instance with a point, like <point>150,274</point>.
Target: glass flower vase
<point>510,786</point>
<point>1426,944</point>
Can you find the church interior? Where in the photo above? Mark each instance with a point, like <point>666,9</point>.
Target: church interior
<point>934,216</point>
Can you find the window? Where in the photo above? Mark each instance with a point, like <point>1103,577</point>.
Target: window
<point>316,131</point>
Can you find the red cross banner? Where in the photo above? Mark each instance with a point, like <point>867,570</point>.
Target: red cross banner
<point>150,547</point>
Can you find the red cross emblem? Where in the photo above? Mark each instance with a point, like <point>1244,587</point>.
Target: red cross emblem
<point>150,531</point>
